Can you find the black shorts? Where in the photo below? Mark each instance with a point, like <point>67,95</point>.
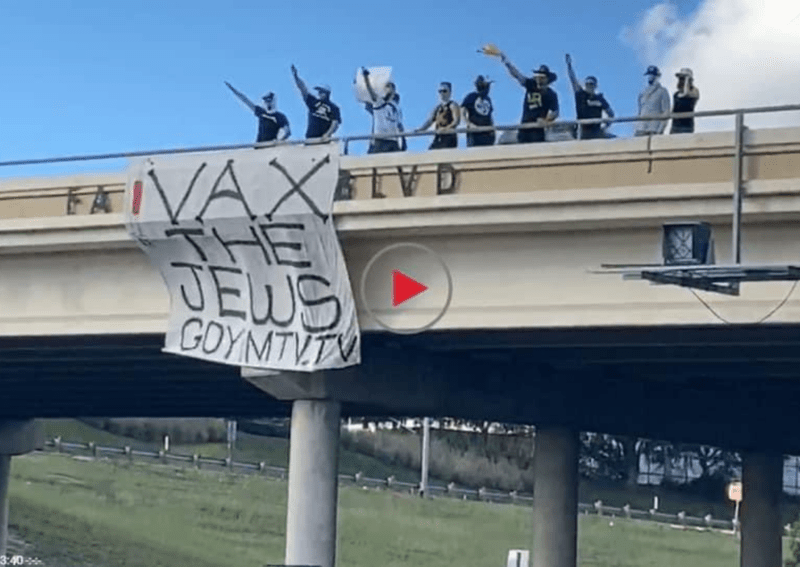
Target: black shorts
<point>480,139</point>
<point>380,146</point>
<point>529,135</point>
<point>591,132</point>
<point>441,141</point>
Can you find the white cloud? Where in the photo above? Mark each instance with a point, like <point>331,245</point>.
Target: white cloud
<point>743,53</point>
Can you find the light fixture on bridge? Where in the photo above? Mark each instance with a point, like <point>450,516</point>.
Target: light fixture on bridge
<point>688,243</point>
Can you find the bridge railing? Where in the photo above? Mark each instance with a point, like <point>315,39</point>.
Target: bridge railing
<point>737,113</point>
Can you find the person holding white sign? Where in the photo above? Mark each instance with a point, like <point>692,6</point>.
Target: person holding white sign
<point>446,116</point>
<point>324,117</point>
<point>387,118</point>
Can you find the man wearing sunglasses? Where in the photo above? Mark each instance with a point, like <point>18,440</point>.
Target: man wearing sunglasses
<point>446,115</point>
<point>588,104</point>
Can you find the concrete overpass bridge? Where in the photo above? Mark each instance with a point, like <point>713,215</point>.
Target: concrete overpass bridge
<point>530,336</point>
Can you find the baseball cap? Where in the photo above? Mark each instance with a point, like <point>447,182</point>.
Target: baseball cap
<point>591,79</point>
<point>269,96</point>
<point>323,87</point>
<point>653,70</point>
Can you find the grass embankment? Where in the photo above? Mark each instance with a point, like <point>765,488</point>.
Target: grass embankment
<point>395,454</point>
<point>274,451</point>
<point>112,514</point>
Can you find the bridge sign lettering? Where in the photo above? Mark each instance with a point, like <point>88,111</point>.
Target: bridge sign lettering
<point>246,245</point>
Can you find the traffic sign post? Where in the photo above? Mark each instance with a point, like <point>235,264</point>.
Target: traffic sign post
<point>735,494</point>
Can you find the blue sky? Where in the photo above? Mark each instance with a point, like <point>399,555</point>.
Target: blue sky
<point>92,77</point>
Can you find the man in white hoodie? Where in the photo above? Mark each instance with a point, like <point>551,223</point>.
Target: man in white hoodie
<point>654,100</point>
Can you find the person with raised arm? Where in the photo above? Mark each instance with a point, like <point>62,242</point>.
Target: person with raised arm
<point>540,106</point>
<point>387,118</point>
<point>684,100</point>
<point>324,117</point>
<point>446,116</point>
<point>272,125</point>
<point>588,104</point>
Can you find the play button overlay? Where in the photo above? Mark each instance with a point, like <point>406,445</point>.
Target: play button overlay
<point>406,288</point>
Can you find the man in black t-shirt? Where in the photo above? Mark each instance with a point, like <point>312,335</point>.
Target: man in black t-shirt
<point>272,125</point>
<point>588,104</point>
<point>323,116</point>
<point>477,110</point>
<point>541,102</point>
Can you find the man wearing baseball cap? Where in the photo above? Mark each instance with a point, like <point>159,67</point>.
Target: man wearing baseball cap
<point>323,116</point>
<point>272,125</point>
<point>477,110</point>
<point>588,103</point>
<point>540,106</point>
<point>653,101</point>
<point>684,100</point>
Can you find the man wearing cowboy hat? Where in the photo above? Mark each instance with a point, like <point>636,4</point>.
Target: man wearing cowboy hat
<point>477,111</point>
<point>653,101</point>
<point>323,116</point>
<point>684,100</point>
<point>540,106</point>
<point>272,125</point>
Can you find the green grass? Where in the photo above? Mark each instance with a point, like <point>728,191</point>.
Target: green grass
<point>114,513</point>
<point>273,451</point>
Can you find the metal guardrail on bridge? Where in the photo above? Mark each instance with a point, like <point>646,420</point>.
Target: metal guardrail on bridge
<point>451,490</point>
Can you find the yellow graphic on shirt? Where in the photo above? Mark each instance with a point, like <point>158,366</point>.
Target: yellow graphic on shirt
<point>534,99</point>
<point>444,117</point>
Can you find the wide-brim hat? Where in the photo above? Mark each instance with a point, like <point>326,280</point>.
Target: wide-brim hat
<point>685,72</point>
<point>545,70</point>
<point>481,80</point>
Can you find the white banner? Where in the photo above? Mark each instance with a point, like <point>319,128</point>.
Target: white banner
<point>246,245</point>
<point>378,77</point>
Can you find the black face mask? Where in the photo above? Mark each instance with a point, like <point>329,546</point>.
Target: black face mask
<point>483,91</point>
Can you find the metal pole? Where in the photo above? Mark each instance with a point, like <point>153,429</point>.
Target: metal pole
<point>426,451</point>
<point>5,477</point>
<point>736,249</point>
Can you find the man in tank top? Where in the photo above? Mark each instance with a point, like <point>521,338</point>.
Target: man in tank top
<point>446,116</point>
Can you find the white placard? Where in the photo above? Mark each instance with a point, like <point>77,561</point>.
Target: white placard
<point>246,245</point>
<point>378,77</point>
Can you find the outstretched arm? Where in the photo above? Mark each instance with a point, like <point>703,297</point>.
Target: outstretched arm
<point>299,82</point>
<point>576,85</point>
<point>370,90</point>
<point>522,79</point>
<point>428,122</point>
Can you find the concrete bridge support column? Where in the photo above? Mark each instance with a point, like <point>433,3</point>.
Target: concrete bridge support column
<point>16,438</point>
<point>313,483</point>
<point>555,497</point>
<point>762,485</point>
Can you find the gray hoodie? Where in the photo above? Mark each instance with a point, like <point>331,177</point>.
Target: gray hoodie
<point>653,101</point>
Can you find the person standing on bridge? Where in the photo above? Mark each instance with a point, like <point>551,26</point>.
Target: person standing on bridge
<point>540,106</point>
<point>588,104</point>
<point>653,101</point>
<point>272,125</point>
<point>387,118</point>
<point>684,100</point>
<point>323,116</point>
<point>478,109</point>
<point>446,116</point>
